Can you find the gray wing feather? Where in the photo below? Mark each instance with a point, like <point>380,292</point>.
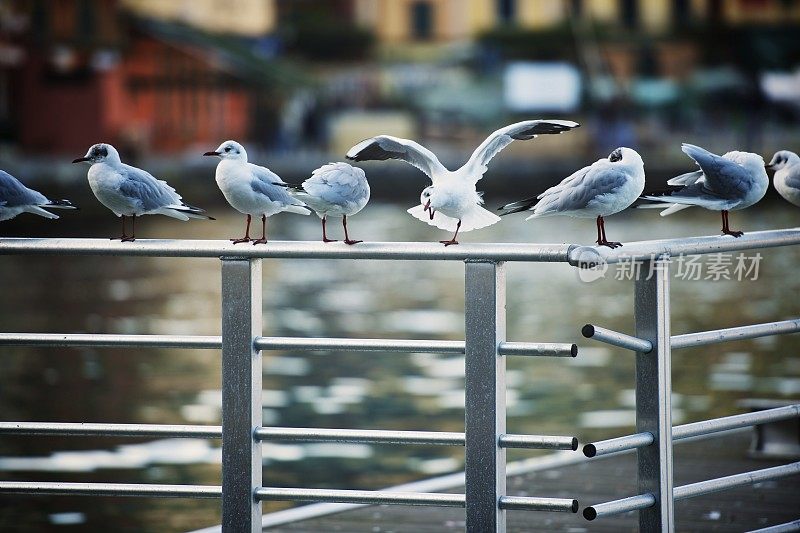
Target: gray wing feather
<point>271,185</point>
<point>581,190</point>
<point>793,177</point>
<point>338,184</point>
<point>723,178</point>
<point>13,193</point>
<point>142,186</point>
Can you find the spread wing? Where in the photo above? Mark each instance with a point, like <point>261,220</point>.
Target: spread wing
<point>385,147</point>
<point>501,138</point>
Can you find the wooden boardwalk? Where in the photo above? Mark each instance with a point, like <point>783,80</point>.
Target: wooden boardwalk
<point>602,479</point>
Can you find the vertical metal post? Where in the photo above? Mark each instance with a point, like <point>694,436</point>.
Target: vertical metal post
<point>241,394</point>
<point>485,417</point>
<point>653,394</point>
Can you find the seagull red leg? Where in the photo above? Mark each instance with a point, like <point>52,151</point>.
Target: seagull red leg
<point>604,241</point>
<point>132,236</point>
<point>726,230</point>
<point>263,239</point>
<point>324,233</point>
<point>124,235</point>
<point>453,240</point>
<point>347,239</point>
<point>246,237</point>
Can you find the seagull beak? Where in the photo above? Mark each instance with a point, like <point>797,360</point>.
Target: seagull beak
<point>212,153</point>
<point>428,209</point>
<point>81,160</point>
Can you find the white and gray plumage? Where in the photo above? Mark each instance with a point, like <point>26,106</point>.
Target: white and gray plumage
<point>605,187</point>
<point>16,198</point>
<point>452,202</point>
<point>335,189</point>
<point>130,192</point>
<point>786,180</point>
<point>252,190</point>
<point>724,183</point>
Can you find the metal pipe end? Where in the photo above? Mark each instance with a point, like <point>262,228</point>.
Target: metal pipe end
<point>574,444</point>
<point>587,331</point>
<point>590,450</point>
<point>574,507</point>
<point>574,350</point>
<point>590,513</point>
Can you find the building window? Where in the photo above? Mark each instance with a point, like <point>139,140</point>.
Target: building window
<point>506,11</point>
<point>629,12</point>
<point>422,20</point>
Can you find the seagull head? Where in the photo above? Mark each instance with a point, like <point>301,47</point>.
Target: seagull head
<point>426,199</point>
<point>229,150</point>
<point>100,153</point>
<point>783,159</point>
<point>625,156</point>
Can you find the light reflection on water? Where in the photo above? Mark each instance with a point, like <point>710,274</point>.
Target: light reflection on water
<point>591,395</point>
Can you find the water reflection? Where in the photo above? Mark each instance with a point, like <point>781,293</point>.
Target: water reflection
<point>591,395</point>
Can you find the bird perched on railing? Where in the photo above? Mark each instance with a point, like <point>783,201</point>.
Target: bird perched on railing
<point>252,190</point>
<point>724,183</point>
<point>452,202</point>
<point>335,189</point>
<point>130,192</point>
<point>786,180</point>
<point>605,187</point>
<point>16,198</point>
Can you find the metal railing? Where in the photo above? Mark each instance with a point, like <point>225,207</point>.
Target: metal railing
<point>485,348</point>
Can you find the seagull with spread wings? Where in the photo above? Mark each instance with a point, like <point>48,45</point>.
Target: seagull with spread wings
<point>452,202</point>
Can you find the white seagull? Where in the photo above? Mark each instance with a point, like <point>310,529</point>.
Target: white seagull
<point>724,183</point>
<point>16,198</point>
<point>252,190</point>
<point>130,192</point>
<point>452,202</point>
<point>605,187</point>
<point>786,165</point>
<point>335,189</point>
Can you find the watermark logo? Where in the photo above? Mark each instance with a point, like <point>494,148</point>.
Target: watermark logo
<point>713,267</point>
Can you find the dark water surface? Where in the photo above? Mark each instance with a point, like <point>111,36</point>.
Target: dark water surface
<point>590,396</point>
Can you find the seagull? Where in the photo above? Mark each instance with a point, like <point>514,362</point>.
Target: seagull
<point>16,198</point>
<point>251,189</point>
<point>605,187</point>
<point>786,165</point>
<point>724,183</point>
<point>130,192</point>
<point>335,189</point>
<point>452,202</point>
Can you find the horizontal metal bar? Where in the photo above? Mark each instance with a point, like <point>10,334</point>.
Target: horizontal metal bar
<point>538,442</point>
<point>110,430</point>
<point>359,345</point>
<point>110,489</point>
<point>779,528</point>
<point>360,436</point>
<point>527,503</point>
<point>633,503</point>
<point>648,250</point>
<point>752,331</point>
<point>360,496</point>
<point>616,339</point>
<point>545,349</point>
<point>110,340</point>
<point>289,249</point>
<point>736,480</point>
<point>707,427</point>
<point>619,444</point>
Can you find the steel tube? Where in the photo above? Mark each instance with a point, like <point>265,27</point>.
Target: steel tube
<point>780,528</point>
<point>616,339</point>
<point>360,496</point>
<point>111,340</point>
<point>544,349</point>
<point>289,249</point>
<point>110,430</point>
<point>753,331</point>
<point>527,503</point>
<point>359,345</point>
<point>360,436</point>
<point>538,442</point>
<point>619,444</point>
<point>633,503</point>
<point>715,425</point>
<point>736,480</point>
<point>649,250</point>
<point>110,489</point>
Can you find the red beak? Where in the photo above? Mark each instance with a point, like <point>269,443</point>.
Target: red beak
<point>429,209</point>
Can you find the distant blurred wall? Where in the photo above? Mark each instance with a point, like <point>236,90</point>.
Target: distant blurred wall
<point>242,17</point>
